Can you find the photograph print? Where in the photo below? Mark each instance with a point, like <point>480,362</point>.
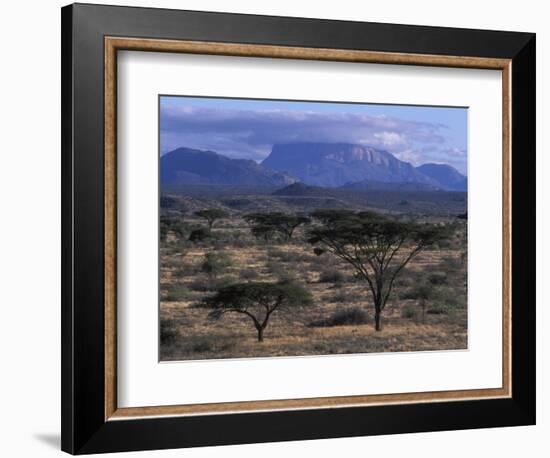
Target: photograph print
<point>299,228</point>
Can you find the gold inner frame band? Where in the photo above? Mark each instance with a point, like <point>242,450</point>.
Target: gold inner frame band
<point>114,44</point>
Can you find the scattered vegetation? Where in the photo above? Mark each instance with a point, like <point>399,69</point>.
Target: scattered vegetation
<point>214,268</point>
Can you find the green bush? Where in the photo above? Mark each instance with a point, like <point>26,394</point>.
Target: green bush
<point>439,309</point>
<point>409,311</point>
<point>216,262</point>
<point>437,278</point>
<point>450,263</point>
<point>176,293</point>
<point>280,271</point>
<point>451,297</point>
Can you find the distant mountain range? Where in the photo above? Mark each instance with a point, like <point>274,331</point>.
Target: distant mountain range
<point>195,167</point>
<point>446,175</point>
<point>332,165</point>
<point>337,164</point>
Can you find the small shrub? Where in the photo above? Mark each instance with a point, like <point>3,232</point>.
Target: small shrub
<point>451,263</point>
<point>409,311</point>
<point>437,278</point>
<point>168,332</point>
<point>176,293</point>
<point>202,346</point>
<point>409,293</point>
<point>403,282</point>
<point>351,316</point>
<point>216,262</point>
<point>444,243</point>
<point>332,276</point>
<point>438,309</point>
<point>451,297</point>
<point>281,272</point>
<point>249,274</point>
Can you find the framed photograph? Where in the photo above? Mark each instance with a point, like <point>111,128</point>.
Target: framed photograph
<point>271,222</point>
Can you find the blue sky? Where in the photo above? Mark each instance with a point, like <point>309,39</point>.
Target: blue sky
<point>247,128</point>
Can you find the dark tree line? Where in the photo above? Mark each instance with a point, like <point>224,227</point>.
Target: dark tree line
<point>211,215</point>
<point>268,225</point>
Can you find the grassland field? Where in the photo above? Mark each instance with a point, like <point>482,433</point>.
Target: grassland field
<point>340,320</point>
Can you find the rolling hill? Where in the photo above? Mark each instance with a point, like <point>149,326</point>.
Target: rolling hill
<point>448,177</point>
<point>186,166</point>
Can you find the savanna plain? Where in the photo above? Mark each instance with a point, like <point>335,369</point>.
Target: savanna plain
<point>263,273</point>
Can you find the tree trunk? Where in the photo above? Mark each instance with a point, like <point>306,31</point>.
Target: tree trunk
<point>260,335</point>
<point>378,320</point>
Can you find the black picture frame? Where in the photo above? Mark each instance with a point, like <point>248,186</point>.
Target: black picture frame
<point>84,428</point>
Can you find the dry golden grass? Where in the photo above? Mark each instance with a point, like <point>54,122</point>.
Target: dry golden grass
<point>189,334</point>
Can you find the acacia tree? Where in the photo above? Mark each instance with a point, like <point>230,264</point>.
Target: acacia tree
<point>378,248</point>
<point>257,301</point>
<point>276,222</point>
<point>211,215</point>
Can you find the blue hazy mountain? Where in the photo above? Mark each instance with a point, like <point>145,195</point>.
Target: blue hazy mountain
<point>186,166</point>
<point>338,164</point>
<point>324,165</point>
<point>448,177</point>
